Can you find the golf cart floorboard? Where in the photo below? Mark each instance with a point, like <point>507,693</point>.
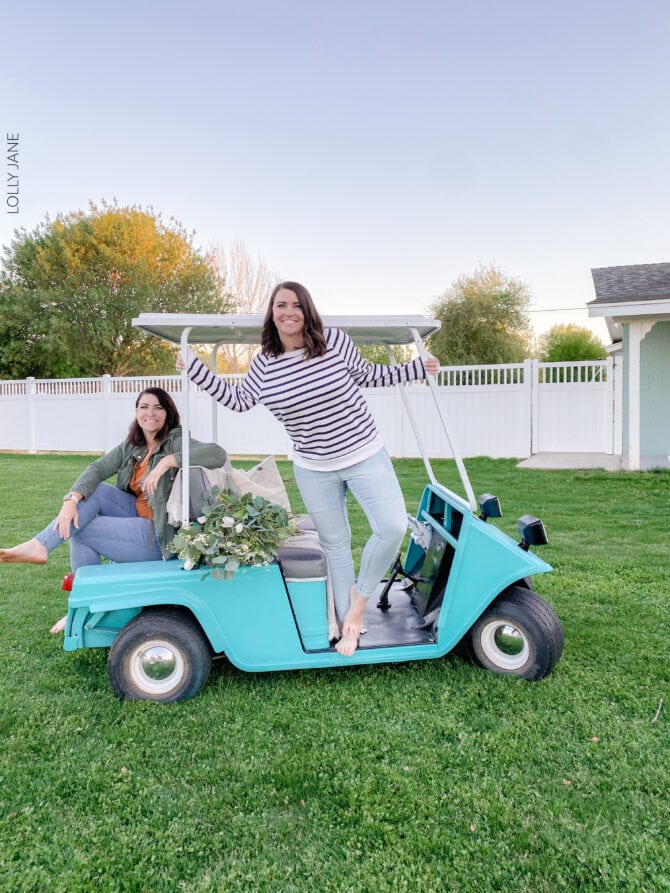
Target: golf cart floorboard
<point>402,624</point>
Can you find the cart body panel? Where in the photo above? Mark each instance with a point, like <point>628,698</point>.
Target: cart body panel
<point>264,623</point>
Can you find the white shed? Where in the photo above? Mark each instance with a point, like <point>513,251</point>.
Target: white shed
<point>635,302</point>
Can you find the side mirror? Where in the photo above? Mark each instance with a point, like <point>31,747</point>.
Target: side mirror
<point>490,506</point>
<point>531,531</point>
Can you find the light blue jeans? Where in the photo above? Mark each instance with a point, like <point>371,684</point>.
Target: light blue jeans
<point>374,485</point>
<point>108,525</point>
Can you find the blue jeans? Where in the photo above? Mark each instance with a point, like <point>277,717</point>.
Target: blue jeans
<point>108,525</point>
<point>375,487</point>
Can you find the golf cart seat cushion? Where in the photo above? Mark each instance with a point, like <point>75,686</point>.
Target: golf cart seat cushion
<point>302,563</point>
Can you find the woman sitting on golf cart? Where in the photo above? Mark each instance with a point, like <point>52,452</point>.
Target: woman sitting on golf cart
<point>310,379</point>
<point>126,522</point>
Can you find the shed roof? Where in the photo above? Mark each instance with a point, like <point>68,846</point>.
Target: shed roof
<point>635,292</point>
<point>631,284</point>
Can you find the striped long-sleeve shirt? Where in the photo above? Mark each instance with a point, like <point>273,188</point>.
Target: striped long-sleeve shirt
<point>318,401</point>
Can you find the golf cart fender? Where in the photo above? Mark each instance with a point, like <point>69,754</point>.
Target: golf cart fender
<point>486,563</point>
<point>99,623</point>
<point>104,618</point>
<point>248,617</point>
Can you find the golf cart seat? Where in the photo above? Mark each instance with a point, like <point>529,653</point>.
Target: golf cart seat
<point>301,556</point>
<point>302,561</point>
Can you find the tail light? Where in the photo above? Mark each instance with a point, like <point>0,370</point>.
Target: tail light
<point>68,582</point>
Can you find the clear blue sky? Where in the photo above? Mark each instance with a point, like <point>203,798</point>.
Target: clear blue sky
<point>373,150</point>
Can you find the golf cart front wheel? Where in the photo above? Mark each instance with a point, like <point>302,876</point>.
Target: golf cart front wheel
<point>518,635</point>
<point>159,656</point>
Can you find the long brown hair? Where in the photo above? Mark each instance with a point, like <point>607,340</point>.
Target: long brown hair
<point>315,343</point>
<point>136,434</point>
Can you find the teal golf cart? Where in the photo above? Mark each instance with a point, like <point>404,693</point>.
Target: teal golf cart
<point>460,580</point>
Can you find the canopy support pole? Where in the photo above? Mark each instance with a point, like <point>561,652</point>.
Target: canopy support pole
<point>465,480</point>
<point>185,431</point>
<point>413,423</point>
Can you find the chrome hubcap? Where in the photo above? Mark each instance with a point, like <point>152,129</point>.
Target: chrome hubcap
<point>505,644</point>
<point>158,662</point>
<point>157,667</point>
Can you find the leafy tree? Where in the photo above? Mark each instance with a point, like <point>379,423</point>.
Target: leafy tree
<point>484,320</point>
<point>70,289</point>
<point>568,342</point>
<point>377,353</point>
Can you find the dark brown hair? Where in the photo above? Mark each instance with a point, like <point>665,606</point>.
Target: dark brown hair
<point>315,343</point>
<point>136,434</point>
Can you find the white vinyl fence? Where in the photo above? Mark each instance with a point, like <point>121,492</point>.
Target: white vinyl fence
<point>511,410</point>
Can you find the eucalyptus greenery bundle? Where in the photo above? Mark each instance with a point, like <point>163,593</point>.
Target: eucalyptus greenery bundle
<point>235,528</point>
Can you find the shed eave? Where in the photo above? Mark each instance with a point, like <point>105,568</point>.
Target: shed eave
<point>625,310</point>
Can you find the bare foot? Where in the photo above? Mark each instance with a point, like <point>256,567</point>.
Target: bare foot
<point>30,552</point>
<point>58,627</point>
<point>351,625</point>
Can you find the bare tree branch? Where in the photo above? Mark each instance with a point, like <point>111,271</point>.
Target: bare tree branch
<point>246,285</point>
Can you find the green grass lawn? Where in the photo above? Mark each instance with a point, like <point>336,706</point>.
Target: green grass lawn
<point>429,776</point>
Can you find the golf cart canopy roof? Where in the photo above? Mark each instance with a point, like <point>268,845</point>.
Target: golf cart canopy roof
<point>229,328</point>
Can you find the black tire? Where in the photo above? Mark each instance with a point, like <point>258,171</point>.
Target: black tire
<point>161,655</point>
<point>519,634</point>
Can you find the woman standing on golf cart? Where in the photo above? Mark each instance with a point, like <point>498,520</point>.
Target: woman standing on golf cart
<point>127,522</point>
<point>310,379</point>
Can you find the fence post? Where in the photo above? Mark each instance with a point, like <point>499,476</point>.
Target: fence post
<point>609,372</point>
<point>531,374</point>
<point>617,398</point>
<point>106,398</point>
<point>30,396</point>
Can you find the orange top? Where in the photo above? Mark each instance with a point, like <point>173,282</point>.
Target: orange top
<point>135,486</point>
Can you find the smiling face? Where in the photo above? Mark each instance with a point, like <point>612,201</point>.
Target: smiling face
<point>288,318</point>
<point>155,416</point>
<point>150,416</point>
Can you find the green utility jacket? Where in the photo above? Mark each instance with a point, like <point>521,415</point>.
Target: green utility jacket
<point>121,461</point>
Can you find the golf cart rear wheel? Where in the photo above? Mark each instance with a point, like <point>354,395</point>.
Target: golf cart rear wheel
<point>161,655</point>
<point>518,635</point>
